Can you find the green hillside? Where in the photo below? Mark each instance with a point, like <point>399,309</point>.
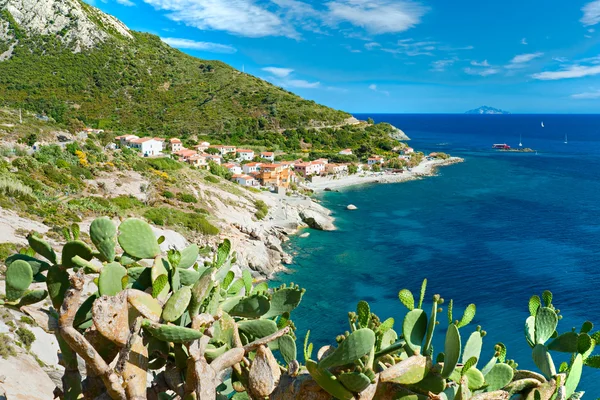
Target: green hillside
<point>142,84</point>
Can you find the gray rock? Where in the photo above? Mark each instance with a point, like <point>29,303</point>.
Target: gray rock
<point>316,220</point>
<point>25,379</point>
<point>352,207</point>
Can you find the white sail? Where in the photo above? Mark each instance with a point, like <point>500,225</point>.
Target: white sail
<point>542,124</point>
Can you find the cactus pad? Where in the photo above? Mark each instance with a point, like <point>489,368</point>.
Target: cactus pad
<point>356,382</point>
<point>57,282</point>
<point>468,316</point>
<point>475,379</point>
<point>103,233</point>
<point>451,350</point>
<point>499,376</point>
<point>145,304</point>
<point>406,297</point>
<point>111,279</point>
<point>546,321</point>
<point>137,239</point>
<point>32,297</point>
<point>36,265</point>
<point>414,329</point>
<point>75,248</point>
<point>364,313</point>
<point>565,343</point>
<point>287,348</point>
<point>171,333</point>
<point>543,360</point>
<point>328,382</point>
<point>18,278</point>
<point>284,300</point>
<point>189,255</point>
<point>257,328</point>
<point>574,376</point>
<point>250,307</point>
<point>358,344</point>
<point>42,248</point>
<point>473,347</point>
<point>534,304</point>
<point>177,304</point>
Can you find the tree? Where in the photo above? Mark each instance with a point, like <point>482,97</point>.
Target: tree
<point>376,167</point>
<point>352,169</point>
<point>370,121</point>
<point>212,150</point>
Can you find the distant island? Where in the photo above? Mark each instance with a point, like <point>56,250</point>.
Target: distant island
<point>487,110</point>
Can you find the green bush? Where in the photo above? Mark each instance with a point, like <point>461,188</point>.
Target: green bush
<point>211,179</point>
<point>164,164</point>
<point>168,195</point>
<point>127,202</point>
<point>219,170</point>
<point>261,209</point>
<point>164,216</point>
<point>187,198</point>
<point>6,249</point>
<point>25,336</point>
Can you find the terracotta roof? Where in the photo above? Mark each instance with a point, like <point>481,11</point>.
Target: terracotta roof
<point>142,140</point>
<point>195,157</point>
<point>174,140</point>
<point>302,164</point>
<point>253,164</point>
<point>266,153</point>
<point>245,151</point>
<point>159,139</point>
<point>270,165</point>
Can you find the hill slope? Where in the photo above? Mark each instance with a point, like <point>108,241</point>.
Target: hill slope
<point>70,60</point>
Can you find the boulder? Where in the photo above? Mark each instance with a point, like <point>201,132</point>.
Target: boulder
<point>24,379</point>
<point>305,235</point>
<point>352,207</point>
<point>316,220</point>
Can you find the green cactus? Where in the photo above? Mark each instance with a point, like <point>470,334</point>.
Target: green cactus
<point>355,382</point>
<point>534,304</point>
<point>257,328</point>
<point>160,280</point>
<point>432,383</point>
<point>584,343</point>
<point>530,330</point>
<point>84,312</point>
<point>137,239</point>
<point>18,278</point>
<point>247,279</point>
<point>284,299</point>
<point>188,277</point>
<point>57,282</point>
<point>189,255</point>
<point>145,304</point>
<point>452,350</point>
<point>546,321</point>
<point>177,304</point>
<point>473,347</point>
<point>547,298</point>
<point>468,316</point>
<point>36,265</point>
<point>406,298</point>
<point>287,348</point>
<point>414,329</point>
<point>328,381</point>
<point>475,379</point>
<point>565,343</point>
<point>499,376</point>
<point>574,375</point>
<point>262,287</point>
<point>431,325</point>
<point>171,333</point>
<point>111,279</point>
<point>250,307</point>
<point>358,344</point>
<point>75,248</point>
<point>222,254</point>
<point>543,360</point>
<point>32,297</point>
<point>586,327</point>
<point>42,248</point>
<point>200,290</point>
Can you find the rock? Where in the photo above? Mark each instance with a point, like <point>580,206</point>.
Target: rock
<point>305,235</point>
<point>327,190</point>
<point>25,379</point>
<point>352,207</point>
<point>316,220</point>
<point>398,134</point>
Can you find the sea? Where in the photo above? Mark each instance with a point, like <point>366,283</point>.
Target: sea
<point>493,231</point>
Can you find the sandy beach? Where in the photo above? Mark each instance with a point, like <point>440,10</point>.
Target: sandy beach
<point>425,168</point>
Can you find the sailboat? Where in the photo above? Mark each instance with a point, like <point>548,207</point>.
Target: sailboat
<point>542,124</point>
<point>566,141</point>
<point>520,141</point>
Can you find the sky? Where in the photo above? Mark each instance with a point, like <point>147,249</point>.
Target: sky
<point>395,56</point>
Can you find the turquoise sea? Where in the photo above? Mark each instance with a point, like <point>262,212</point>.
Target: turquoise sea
<point>493,231</point>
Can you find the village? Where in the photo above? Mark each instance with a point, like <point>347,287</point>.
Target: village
<point>258,169</point>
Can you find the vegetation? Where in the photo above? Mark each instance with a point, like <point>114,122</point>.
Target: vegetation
<point>198,321</point>
<point>25,336</point>
<point>261,209</point>
<point>6,348</point>
<point>164,216</point>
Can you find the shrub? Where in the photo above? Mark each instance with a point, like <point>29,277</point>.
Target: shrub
<point>14,188</point>
<point>164,164</point>
<point>187,198</point>
<point>219,170</point>
<point>127,202</point>
<point>6,348</point>
<point>168,195</point>
<point>6,249</point>
<point>164,216</point>
<point>211,179</point>
<point>25,336</point>
<point>261,209</point>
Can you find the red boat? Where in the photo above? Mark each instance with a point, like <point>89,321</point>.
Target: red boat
<point>502,146</point>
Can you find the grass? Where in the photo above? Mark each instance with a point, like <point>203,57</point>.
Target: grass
<point>14,188</point>
<point>6,348</point>
<point>126,202</point>
<point>261,209</point>
<point>164,216</point>
<point>211,179</point>
<point>26,336</point>
<point>7,249</point>
<point>187,198</point>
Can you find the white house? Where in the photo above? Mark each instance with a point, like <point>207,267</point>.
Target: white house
<point>223,149</point>
<point>147,146</point>
<point>407,150</point>
<point>202,146</point>
<point>213,157</point>
<point>233,168</point>
<point>245,180</point>
<point>346,152</point>
<point>245,154</point>
<point>268,155</point>
<point>175,145</point>
<point>125,139</point>
<point>251,167</point>
<point>375,160</point>
<point>336,168</point>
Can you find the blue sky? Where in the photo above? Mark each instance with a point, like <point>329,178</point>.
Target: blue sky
<point>526,56</point>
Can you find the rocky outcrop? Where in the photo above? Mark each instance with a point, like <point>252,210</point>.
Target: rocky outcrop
<point>398,134</point>
<point>75,23</point>
<point>317,219</point>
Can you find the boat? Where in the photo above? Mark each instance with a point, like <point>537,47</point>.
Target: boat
<point>520,141</point>
<point>501,146</point>
<point>566,141</point>
<point>542,124</point>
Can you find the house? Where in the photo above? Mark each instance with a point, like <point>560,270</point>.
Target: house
<point>324,161</point>
<point>336,168</point>
<point>223,149</point>
<point>289,164</point>
<point>147,146</point>
<point>308,168</point>
<point>268,155</point>
<point>319,165</point>
<point>185,154</point>
<point>202,146</point>
<point>375,160</point>
<point>233,168</point>
<point>244,180</point>
<point>346,152</point>
<point>407,150</point>
<point>197,160</point>
<point>125,139</point>
<point>275,175</point>
<point>245,154</point>
<point>111,146</point>
<point>251,167</point>
<point>174,145</point>
<point>213,157</point>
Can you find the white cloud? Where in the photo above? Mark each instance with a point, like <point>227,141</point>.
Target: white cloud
<point>441,65</point>
<point>376,16</point>
<point>193,45</point>
<point>524,41</point>
<point>239,17</point>
<point>372,45</point>
<point>573,71</point>
<point>127,3</point>
<point>587,95</point>
<point>524,58</point>
<point>484,63</point>
<point>374,88</point>
<point>560,59</point>
<point>278,72</point>
<point>591,30</point>
<point>413,48</point>
<point>300,83</point>
<point>481,72</point>
<point>591,13</point>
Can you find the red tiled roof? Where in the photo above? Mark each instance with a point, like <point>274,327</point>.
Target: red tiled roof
<point>142,140</point>
<point>266,153</point>
<point>174,140</point>
<point>245,151</point>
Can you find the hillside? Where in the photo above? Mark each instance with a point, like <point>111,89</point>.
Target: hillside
<point>488,111</point>
<point>70,61</point>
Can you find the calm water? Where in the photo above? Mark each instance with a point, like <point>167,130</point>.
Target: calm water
<point>492,231</point>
